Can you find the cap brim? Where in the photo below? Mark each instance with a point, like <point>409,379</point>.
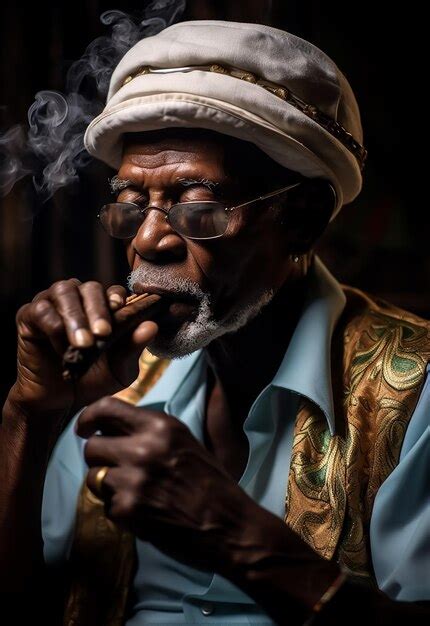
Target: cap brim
<point>103,138</point>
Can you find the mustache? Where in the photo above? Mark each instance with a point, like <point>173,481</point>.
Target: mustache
<point>159,277</point>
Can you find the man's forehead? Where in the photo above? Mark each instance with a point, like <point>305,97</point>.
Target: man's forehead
<point>182,165</point>
<point>167,156</point>
<point>167,150</point>
<point>189,156</point>
<point>171,166</point>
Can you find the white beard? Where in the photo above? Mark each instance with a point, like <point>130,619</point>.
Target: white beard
<point>201,331</point>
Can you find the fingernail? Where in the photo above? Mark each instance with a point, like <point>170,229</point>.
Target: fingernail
<point>115,301</point>
<point>83,338</point>
<point>102,327</point>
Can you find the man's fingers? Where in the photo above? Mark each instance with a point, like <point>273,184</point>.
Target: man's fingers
<point>40,319</point>
<point>117,296</point>
<point>45,294</point>
<point>100,451</point>
<point>133,312</point>
<point>100,488</point>
<point>96,308</point>
<point>85,308</point>
<point>124,354</point>
<point>111,416</point>
<point>122,481</point>
<point>66,297</point>
<point>144,333</point>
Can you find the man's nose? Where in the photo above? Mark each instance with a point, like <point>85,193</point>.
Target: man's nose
<point>156,241</point>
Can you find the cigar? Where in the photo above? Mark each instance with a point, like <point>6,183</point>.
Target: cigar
<point>77,361</point>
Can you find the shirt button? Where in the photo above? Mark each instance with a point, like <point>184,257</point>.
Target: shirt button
<point>207,608</point>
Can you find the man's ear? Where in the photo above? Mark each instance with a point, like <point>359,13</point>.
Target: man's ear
<point>306,213</point>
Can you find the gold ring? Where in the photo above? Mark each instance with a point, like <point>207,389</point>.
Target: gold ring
<point>98,480</point>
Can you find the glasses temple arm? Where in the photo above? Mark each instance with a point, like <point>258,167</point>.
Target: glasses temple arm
<point>267,195</point>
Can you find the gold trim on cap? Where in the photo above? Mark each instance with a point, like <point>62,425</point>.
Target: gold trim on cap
<point>330,125</point>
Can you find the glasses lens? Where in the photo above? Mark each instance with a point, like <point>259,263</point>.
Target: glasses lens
<point>121,219</point>
<point>199,220</point>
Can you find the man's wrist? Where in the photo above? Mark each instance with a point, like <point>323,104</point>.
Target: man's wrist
<point>330,595</point>
<point>21,424</point>
<point>280,571</point>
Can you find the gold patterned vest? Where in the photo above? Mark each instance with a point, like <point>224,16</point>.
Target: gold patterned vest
<point>379,357</point>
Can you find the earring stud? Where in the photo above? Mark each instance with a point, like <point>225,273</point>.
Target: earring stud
<point>296,258</point>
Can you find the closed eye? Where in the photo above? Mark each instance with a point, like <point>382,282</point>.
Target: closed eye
<point>132,195</point>
<point>195,192</point>
<point>198,191</point>
<point>183,190</point>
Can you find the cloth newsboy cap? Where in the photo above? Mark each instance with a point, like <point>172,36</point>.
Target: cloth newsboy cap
<point>250,81</point>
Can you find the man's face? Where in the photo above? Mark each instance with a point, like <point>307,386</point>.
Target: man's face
<point>214,286</point>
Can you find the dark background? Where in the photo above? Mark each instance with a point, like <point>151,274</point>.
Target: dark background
<point>378,243</point>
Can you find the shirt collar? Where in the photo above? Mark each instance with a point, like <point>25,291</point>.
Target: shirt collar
<point>306,366</point>
<point>180,371</point>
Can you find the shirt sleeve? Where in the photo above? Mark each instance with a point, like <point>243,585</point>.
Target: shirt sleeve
<point>65,474</point>
<point>400,524</point>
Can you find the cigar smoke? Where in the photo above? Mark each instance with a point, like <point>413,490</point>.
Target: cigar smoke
<point>51,149</point>
<point>15,163</point>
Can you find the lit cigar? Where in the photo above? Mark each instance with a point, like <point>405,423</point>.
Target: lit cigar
<point>77,361</point>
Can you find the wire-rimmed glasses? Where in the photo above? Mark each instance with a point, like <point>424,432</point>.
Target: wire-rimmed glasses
<point>196,219</point>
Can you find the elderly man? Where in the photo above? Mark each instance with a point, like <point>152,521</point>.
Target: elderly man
<point>241,486</point>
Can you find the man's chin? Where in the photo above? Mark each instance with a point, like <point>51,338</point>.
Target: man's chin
<point>164,348</point>
<point>175,316</point>
<point>169,342</point>
<point>175,342</point>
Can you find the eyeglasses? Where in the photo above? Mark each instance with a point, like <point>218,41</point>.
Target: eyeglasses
<point>204,219</point>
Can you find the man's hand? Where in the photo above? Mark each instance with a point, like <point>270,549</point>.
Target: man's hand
<point>40,402</point>
<point>163,485</point>
<point>75,313</point>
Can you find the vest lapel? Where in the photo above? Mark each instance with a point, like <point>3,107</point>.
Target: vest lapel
<point>103,556</point>
<point>316,499</point>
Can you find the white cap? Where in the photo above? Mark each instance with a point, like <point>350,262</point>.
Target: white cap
<point>250,81</point>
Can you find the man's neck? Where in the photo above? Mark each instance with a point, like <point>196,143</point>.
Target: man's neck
<point>244,362</point>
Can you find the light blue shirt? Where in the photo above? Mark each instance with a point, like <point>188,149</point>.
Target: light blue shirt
<point>168,592</point>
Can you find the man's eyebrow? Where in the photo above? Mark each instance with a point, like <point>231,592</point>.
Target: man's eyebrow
<point>116,183</point>
<point>188,182</point>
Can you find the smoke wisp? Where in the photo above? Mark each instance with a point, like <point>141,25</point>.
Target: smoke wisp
<point>51,149</point>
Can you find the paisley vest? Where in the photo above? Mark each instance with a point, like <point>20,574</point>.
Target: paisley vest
<point>379,358</point>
